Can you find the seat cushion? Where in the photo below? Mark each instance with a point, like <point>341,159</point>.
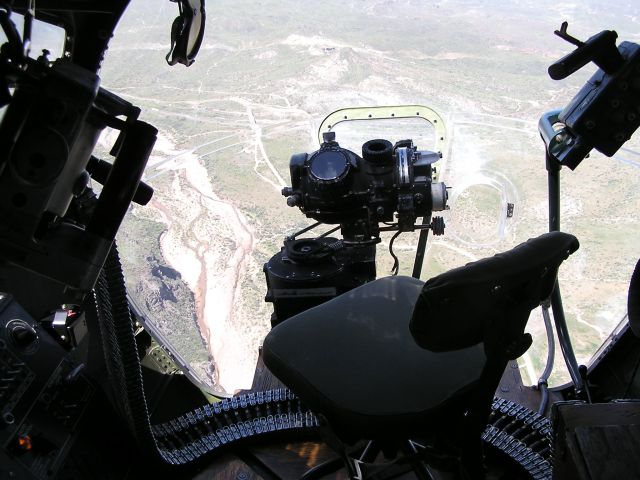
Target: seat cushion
<point>354,360</point>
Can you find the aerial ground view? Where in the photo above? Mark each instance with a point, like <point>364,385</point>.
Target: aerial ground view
<point>268,73</point>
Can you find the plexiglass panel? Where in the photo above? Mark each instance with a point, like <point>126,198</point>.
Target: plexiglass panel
<point>266,77</point>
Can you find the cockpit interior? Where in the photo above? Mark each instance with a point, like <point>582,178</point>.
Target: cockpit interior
<point>356,240</point>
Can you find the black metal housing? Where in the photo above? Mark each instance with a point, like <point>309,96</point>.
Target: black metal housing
<point>334,185</point>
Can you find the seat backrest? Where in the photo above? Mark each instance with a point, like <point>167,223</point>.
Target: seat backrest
<point>495,295</point>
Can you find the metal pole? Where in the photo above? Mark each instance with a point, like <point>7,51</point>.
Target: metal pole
<point>553,174</point>
<point>422,245</point>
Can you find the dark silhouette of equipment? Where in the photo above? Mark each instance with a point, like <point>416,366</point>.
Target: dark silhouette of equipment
<point>443,345</point>
<point>309,271</point>
<point>334,185</point>
<point>605,112</point>
<point>187,32</point>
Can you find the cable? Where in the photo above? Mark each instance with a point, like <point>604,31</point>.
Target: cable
<point>551,352</point>
<point>396,262</point>
<point>544,397</point>
<point>329,232</point>
<point>564,340</point>
<point>304,230</point>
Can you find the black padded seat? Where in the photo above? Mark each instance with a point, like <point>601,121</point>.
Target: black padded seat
<point>356,360</point>
<point>467,304</point>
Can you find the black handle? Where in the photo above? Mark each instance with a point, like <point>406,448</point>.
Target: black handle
<point>123,181</point>
<point>100,171</point>
<point>600,49</point>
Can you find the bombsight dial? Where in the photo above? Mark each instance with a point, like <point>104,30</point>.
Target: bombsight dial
<point>388,183</point>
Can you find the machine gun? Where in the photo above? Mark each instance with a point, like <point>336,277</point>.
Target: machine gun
<point>604,113</point>
<point>50,222</point>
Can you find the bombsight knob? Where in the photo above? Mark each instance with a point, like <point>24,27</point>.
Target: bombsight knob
<point>328,137</point>
<point>439,197</point>
<point>22,335</point>
<point>293,200</point>
<point>437,226</point>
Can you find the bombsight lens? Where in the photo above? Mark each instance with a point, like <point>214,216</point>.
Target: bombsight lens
<point>329,165</point>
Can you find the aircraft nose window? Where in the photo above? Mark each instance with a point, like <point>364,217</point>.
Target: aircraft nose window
<point>44,36</point>
<point>484,208</point>
<point>257,94</point>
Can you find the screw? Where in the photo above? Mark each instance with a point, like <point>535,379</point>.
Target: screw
<point>8,418</point>
<point>590,124</point>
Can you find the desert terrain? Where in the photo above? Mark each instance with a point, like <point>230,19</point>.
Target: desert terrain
<point>267,75</point>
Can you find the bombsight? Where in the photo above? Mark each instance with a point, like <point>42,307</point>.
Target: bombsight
<point>389,184</point>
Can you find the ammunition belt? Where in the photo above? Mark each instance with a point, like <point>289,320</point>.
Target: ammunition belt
<point>518,432</point>
<point>243,417</point>
<point>523,435</point>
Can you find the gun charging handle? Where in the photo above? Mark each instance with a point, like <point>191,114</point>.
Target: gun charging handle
<point>100,170</point>
<point>124,179</point>
<point>600,49</point>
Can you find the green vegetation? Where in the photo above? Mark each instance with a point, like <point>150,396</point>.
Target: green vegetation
<point>159,290</point>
